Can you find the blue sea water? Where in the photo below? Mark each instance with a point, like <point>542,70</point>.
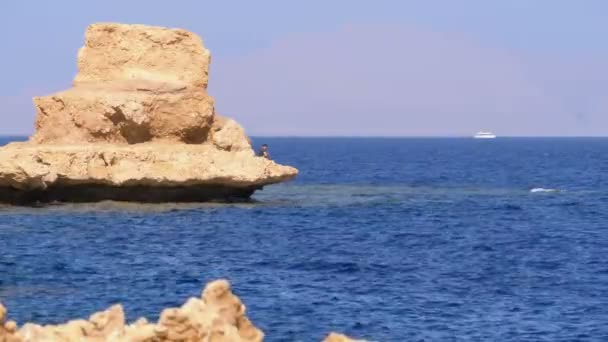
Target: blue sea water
<point>385,239</point>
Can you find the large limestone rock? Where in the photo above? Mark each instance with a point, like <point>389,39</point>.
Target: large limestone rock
<point>216,316</point>
<point>137,125</point>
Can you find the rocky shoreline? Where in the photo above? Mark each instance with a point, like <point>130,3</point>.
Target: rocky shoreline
<point>218,315</point>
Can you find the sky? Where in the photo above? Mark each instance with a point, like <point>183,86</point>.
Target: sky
<point>348,67</point>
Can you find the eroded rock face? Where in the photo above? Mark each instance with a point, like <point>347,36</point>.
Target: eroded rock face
<point>138,116</point>
<point>228,135</point>
<point>124,112</point>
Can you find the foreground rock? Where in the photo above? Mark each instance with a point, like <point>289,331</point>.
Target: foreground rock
<point>137,125</point>
<point>218,316</point>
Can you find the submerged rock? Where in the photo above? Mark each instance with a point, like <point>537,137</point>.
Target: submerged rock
<point>137,125</point>
<point>217,315</point>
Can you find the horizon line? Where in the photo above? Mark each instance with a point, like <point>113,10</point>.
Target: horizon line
<point>424,136</point>
<point>380,136</point>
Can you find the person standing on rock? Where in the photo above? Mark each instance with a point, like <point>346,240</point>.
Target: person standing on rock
<point>263,152</point>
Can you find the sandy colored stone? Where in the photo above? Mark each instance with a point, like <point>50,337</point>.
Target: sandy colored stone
<point>335,337</point>
<point>115,51</point>
<point>8,329</point>
<point>2,313</point>
<point>228,135</point>
<point>10,326</point>
<point>110,322</point>
<point>218,295</point>
<point>124,112</point>
<point>218,316</point>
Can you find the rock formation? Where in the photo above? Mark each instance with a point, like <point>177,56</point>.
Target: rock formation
<point>218,316</point>
<point>138,124</point>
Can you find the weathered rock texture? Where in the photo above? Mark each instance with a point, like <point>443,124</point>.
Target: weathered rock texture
<point>124,112</point>
<point>137,52</point>
<point>217,316</point>
<point>137,125</point>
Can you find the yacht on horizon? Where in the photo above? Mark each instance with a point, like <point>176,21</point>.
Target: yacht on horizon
<point>484,135</point>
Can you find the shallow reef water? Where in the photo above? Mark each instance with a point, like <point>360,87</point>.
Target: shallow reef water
<point>381,238</point>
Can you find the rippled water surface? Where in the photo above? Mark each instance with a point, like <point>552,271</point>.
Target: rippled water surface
<point>385,239</point>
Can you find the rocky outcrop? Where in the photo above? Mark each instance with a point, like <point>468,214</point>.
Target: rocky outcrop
<point>151,172</point>
<point>217,315</point>
<point>137,125</point>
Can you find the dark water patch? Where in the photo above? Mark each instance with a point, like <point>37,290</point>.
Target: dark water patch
<point>509,207</point>
<point>569,204</point>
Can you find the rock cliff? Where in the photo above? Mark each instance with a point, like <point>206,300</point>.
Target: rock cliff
<point>137,124</point>
<point>218,315</point>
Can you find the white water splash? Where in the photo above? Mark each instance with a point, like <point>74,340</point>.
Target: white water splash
<point>543,190</point>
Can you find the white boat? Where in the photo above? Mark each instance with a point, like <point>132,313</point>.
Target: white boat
<point>484,135</point>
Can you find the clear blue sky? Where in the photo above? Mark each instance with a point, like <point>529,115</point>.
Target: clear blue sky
<point>348,67</point>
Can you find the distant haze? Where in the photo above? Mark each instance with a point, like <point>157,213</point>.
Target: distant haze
<point>341,68</point>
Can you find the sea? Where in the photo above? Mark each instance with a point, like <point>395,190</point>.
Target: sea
<point>383,239</point>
